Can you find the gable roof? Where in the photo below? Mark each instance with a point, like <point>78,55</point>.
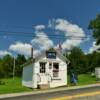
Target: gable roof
<point>53,50</point>
<point>43,54</point>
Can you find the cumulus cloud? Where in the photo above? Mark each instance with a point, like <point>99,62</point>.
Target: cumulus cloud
<point>42,41</point>
<point>72,32</point>
<point>21,48</point>
<point>39,43</point>
<point>39,27</point>
<point>68,28</point>
<point>69,43</point>
<point>3,53</point>
<point>94,47</point>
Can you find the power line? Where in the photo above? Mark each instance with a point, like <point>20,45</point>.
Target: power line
<point>55,37</point>
<point>30,34</point>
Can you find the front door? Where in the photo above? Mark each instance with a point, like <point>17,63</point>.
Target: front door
<point>42,74</point>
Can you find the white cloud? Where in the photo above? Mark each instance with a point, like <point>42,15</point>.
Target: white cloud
<point>68,28</point>
<point>21,48</point>
<point>41,42</point>
<point>72,32</point>
<point>94,47</point>
<point>24,48</point>
<point>3,53</point>
<point>39,27</point>
<point>69,43</point>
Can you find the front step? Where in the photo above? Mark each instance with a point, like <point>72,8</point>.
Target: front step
<point>43,86</point>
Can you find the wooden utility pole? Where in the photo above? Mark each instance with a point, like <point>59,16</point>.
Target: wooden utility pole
<point>14,68</point>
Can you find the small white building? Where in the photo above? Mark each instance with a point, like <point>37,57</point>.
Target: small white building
<point>46,71</point>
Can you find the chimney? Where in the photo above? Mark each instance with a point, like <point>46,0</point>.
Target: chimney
<point>31,52</point>
<point>59,48</point>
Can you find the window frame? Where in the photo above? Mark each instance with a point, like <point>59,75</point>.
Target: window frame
<point>52,56</point>
<point>42,67</point>
<point>56,70</point>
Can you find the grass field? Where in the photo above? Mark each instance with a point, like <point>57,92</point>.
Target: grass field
<point>12,86</point>
<point>85,79</point>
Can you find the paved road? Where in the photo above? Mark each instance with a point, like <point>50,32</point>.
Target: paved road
<point>78,94</point>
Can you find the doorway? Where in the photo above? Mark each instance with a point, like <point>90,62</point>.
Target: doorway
<point>43,83</point>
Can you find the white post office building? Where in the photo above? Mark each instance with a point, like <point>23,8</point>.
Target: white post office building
<point>48,70</point>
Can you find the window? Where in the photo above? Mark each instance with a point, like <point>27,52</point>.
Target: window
<point>51,55</point>
<point>55,69</point>
<point>42,67</point>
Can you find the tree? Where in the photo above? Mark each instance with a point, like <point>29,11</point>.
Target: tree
<point>7,65</point>
<point>78,60</point>
<point>93,61</point>
<point>94,25</point>
<point>1,69</point>
<point>19,61</point>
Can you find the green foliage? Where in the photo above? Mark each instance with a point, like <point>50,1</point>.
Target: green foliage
<point>7,63</point>
<point>20,60</point>
<point>78,60</point>
<point>1,69</point>
<point>93,61</point>
<point>95,27</point>
<point>82,63</point>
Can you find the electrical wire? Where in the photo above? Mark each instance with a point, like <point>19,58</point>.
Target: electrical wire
<point>30,34</point>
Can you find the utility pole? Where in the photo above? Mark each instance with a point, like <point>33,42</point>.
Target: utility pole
<point>14,68</point>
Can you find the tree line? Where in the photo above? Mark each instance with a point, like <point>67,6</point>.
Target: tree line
<point>7,65</point>
<point>83,63</point>
<point>80,62</point>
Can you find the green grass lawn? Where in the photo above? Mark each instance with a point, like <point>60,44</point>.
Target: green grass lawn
<point>12,86</point>
<point>85,79</point>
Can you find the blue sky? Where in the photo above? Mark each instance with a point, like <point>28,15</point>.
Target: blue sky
<point>24,15</point>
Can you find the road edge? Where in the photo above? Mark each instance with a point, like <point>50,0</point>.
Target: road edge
<point>11,95</point>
